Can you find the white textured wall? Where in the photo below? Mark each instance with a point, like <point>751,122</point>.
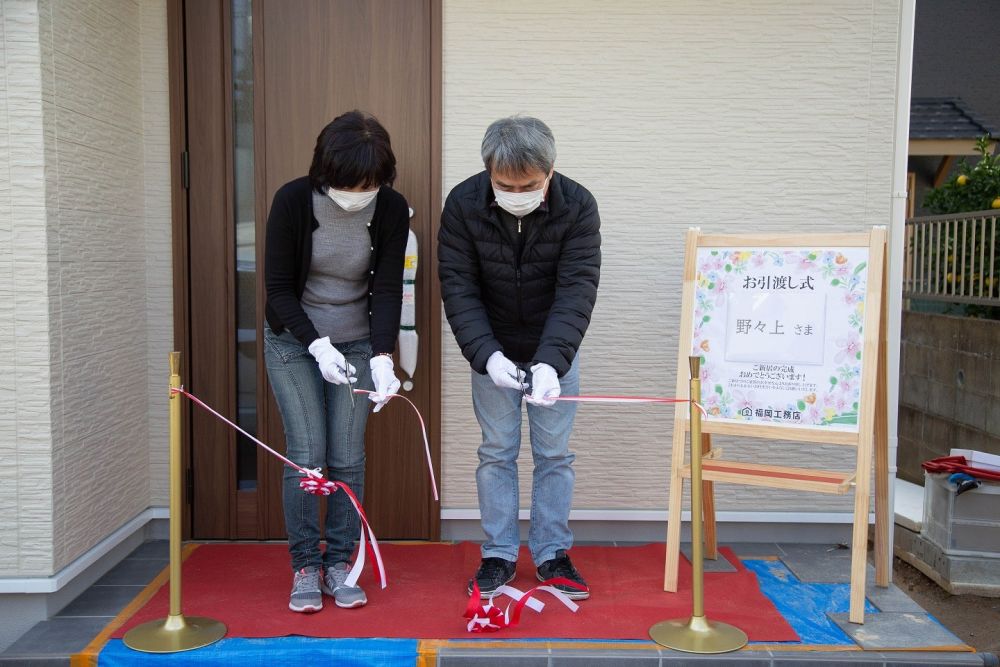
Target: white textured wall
<point>26,393</point>
<point>89,270</point>
<point>8,400</point>
<point>100,445</point>
<point>728,115</point>
<point>158,249</point>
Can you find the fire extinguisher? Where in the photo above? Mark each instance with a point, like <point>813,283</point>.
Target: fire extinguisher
<point>408,316</point>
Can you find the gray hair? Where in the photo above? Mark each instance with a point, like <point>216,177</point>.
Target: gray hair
<point>518,145</point>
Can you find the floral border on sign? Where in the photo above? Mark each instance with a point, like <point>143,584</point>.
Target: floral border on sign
<point>836,403</point>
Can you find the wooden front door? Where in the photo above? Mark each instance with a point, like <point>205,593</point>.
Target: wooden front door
<point>261,79</point>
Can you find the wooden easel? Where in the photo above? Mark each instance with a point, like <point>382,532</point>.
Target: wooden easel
<point>870,438</point>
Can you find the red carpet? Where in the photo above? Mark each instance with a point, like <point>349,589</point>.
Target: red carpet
<point>246,587</point>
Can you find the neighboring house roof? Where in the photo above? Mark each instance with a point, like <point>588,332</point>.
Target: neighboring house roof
<point>944,118</point>
<point>944,126</point>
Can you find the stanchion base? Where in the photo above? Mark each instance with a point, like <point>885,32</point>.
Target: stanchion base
<point>698,635</point>
<point>174,634</point>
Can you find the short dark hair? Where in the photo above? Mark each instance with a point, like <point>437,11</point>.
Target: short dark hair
<point>352,150</point>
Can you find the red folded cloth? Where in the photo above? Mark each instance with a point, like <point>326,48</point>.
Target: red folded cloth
<point>949,464</point>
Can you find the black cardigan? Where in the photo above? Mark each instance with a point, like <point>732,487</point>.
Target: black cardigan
<point>288,253</point>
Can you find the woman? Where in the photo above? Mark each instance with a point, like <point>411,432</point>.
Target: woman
<point>333,270</point>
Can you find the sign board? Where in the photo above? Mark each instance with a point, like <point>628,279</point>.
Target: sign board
<point>779,331</point>
<point>790,333</point>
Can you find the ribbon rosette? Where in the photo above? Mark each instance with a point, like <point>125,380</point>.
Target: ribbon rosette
<point>490,618</point>
<point>317,487</point>
<point>484,618</point>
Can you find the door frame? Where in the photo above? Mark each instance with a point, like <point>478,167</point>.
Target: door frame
<point>180,240</point>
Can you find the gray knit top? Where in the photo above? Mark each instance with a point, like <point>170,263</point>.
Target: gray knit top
<point>336,292</point>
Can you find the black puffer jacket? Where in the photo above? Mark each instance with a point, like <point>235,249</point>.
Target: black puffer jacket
<point>535,307</point>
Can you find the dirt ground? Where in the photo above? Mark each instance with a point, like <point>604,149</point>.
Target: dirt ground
<point>976,620</point>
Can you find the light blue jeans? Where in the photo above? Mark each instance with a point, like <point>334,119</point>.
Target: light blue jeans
<point>323,429</point>
<point>499,413</point>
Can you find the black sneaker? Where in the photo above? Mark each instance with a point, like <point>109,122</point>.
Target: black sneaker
<point>491,575</point>
<point>562,567</point>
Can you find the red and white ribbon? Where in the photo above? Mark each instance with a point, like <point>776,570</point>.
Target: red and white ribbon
<point>423,431</point>
<point>316,484</point>
<point>490,618</point>
<point>599,398</point>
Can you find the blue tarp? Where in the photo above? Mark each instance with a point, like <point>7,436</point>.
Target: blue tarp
<point>272,651</point>
<point>805,605</point>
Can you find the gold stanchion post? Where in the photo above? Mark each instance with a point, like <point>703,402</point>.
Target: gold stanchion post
<point>697,634</point>
<point>175,632</point>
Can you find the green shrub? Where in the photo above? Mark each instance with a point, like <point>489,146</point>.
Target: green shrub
<point>972,189</point>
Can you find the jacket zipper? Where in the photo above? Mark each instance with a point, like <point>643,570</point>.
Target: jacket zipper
<point>517,272</point>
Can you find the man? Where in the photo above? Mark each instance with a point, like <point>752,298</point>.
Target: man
<point>520,258</point>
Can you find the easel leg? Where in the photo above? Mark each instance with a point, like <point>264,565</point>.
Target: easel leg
<point>883,515</point>
<point>682,413</point>
<point>859,541</point>
<point>673,531</point>
<point>708,506</point>
<point>871,421</point>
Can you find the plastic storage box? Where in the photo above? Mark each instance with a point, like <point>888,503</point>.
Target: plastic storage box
<point>965,525</point>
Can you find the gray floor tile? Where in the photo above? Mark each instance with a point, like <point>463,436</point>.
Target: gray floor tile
<point>896,630</point>
<point>57,637</point>
<point>891,599</point>
<point>605,658</point>
<point>736,659</point>
<point>491,658</point>
<point>720,564</point>
<point>155,550</point>
<point>34,662</point>
<point>755,549</point>
<point>132,572</point>
<point>101,601</point>
<point>805,659</point>
<point>928,658</point>
<point>820,563</point>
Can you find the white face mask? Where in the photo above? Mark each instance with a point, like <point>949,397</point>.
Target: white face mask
<point>520,204</point>
<point>351,201</point>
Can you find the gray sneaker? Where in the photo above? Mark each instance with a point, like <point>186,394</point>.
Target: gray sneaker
<point>343,595</point>
<point>306,596</point>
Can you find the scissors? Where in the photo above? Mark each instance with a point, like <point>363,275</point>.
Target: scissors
<point>523,381</point>
<point>350,388</point>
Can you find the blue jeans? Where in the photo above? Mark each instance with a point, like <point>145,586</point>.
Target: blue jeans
<point>322,430</point>
<point>499,413</point>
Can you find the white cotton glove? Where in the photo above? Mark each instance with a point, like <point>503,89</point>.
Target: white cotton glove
<point>386,383</point>
<point>504,373</point>
<point>332,364</point>
<point>545,387</point>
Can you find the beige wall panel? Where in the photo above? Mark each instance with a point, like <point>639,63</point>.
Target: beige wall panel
<point>100,445</point>
<point>74,428</point>
<point>159,266</point>
<point>8,398</point>
<point>25,418</point>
